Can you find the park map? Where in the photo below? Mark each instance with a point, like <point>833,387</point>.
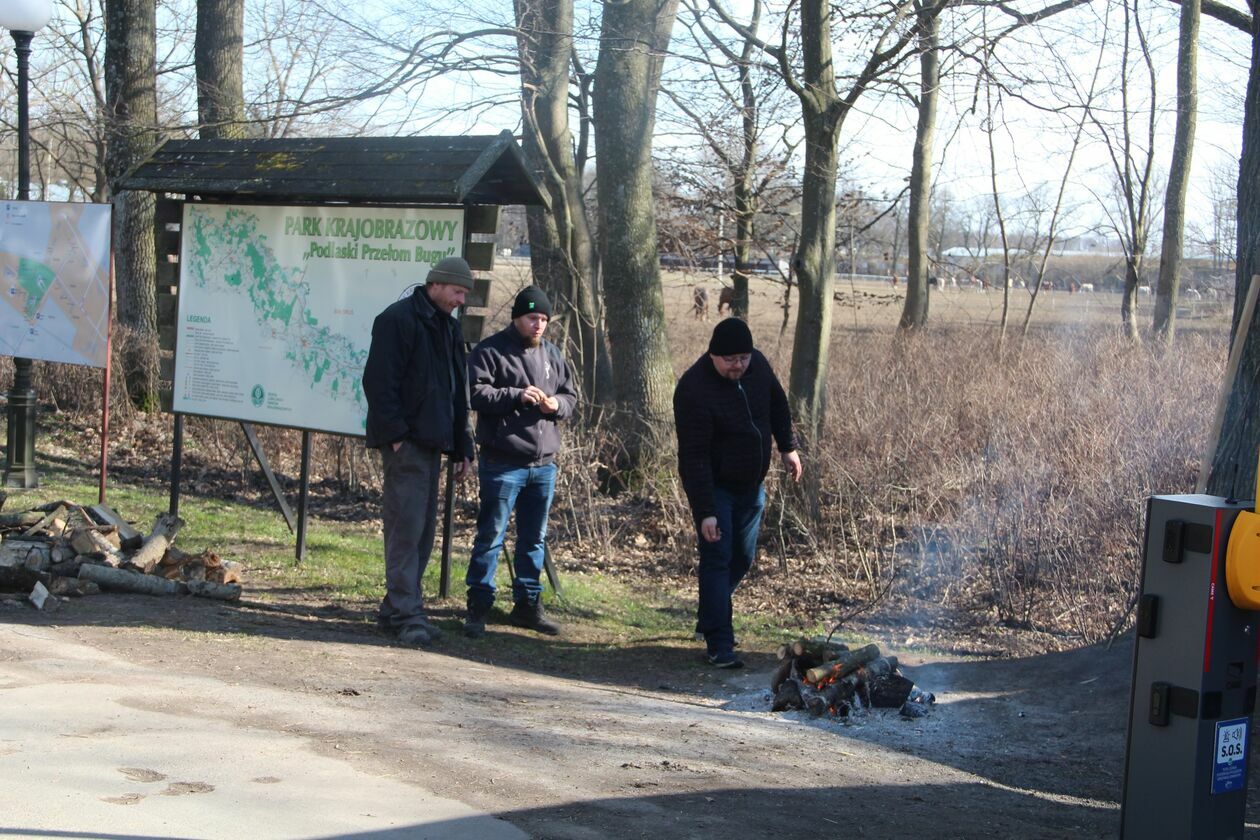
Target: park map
<point>54,261</point>
<point>275,312</point>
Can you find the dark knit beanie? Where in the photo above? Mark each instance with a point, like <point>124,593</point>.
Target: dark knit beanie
<point>530,300</point>
<point>452,270</point>
<point>731,337</point>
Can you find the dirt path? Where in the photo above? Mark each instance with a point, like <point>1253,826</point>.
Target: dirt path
<point>1020,748</point>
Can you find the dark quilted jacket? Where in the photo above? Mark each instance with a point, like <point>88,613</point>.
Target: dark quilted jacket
<point>725,429</point>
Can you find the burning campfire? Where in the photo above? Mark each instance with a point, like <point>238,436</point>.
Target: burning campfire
<point>62,549</point>
<point>825,677</point>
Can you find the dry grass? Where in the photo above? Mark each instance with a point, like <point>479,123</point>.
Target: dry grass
<point>1008,483</point>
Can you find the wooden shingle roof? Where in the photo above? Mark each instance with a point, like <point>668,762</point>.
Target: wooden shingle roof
<point>471,169</point>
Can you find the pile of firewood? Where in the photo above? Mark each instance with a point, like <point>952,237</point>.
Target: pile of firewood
<point>825,677</point>
<point>62,549</point>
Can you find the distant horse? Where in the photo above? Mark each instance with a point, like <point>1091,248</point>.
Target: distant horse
<point>700,303</point>
<point>725,298</point>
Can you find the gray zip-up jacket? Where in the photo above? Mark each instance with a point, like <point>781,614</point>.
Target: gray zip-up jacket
<point>499,370</point>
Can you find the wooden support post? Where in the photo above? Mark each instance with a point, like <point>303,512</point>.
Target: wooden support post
<point>550,568</point>
<point>109,351</point>
<point>269,474</point>
<point>177,457</point>
<point>448,515</point>
<point>304,485</point>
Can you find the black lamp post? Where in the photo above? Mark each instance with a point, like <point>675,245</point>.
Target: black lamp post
<point>23,18</point>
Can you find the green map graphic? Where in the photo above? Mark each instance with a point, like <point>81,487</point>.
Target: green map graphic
<point>232,257</point>
<point>35,278</point>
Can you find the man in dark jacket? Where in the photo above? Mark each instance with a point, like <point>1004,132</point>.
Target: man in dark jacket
<point>417,409</point>
<point>727,407</point>
<point>521,388</point>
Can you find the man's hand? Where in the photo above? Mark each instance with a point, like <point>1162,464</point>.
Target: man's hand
<point>709,529</point>
<point>463,468</point>
<point>532,395</point>
<point>792,463</point>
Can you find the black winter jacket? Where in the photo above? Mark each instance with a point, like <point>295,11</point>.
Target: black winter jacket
<point>500,368</point>
<point>417,350</point>
<point>725,428</point>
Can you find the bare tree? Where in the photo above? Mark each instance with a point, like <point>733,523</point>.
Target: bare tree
<point>884,35</point>
<point>1131,150</point>
<point>746,169</point>
<point>561,251</point>
<point>633,38</point>
<point>1165,319</point>
<point>131,94</point>
<point>915,311</point>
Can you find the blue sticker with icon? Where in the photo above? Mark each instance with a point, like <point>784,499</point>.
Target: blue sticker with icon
<point>1229,763</point>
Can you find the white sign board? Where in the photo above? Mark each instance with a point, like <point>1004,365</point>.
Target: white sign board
<point>276,305</point>
<point>54,280</point>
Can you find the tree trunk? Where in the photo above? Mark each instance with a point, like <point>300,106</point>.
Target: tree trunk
<point>1165,320</point>
<point>561,252</point>
<point>915,312</point>
<point>131,95</point>
<point>1129,299</point>
<point>121,580</point>
<point>815,260</point>
<point>634,36</point>
<point>815,272</point>
<point>1233,469</point>
<point>219,55</point>
<point>745,182</point>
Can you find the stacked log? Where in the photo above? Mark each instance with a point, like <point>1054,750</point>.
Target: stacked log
<point>823,677</point>
<point>63,550</point>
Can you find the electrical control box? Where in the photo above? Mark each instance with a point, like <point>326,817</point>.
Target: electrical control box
<point>1194,676</point>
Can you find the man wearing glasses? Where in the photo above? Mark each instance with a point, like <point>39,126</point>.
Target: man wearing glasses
<point>727,408</point>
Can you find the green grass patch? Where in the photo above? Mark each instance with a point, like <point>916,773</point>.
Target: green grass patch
<point>343,564</point>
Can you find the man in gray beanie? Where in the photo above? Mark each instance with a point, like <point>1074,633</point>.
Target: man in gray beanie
<point>417,396</point>
<point>728,407</point>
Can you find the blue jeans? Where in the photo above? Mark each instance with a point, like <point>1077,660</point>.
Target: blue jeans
<point>505,487</point>
<point>724,563</point>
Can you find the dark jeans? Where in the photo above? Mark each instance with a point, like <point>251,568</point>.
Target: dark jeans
<point>505,487</point>
<point>724,563</point>
<point>409,517</point>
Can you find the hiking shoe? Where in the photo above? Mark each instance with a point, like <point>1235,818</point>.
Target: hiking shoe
<point>475,623</point>
<point>415,635</point>
<point>725,660</point>
<point>530,615</point>
<point>435,633</point>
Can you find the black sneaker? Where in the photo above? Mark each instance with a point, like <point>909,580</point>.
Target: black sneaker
<point>725,660</point>
<point>475,623</point>
<point>530,615</point>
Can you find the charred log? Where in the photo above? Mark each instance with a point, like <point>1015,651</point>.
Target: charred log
<point>889,691</point>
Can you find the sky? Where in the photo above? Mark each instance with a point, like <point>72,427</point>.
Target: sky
<point>1031,145</point>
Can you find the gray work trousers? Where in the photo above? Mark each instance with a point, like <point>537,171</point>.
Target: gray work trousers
<point>409,516</point>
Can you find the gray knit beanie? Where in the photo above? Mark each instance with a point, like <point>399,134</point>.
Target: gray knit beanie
<point>452,270</point>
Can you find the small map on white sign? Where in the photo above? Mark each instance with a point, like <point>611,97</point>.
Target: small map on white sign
<point>54,280</point>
